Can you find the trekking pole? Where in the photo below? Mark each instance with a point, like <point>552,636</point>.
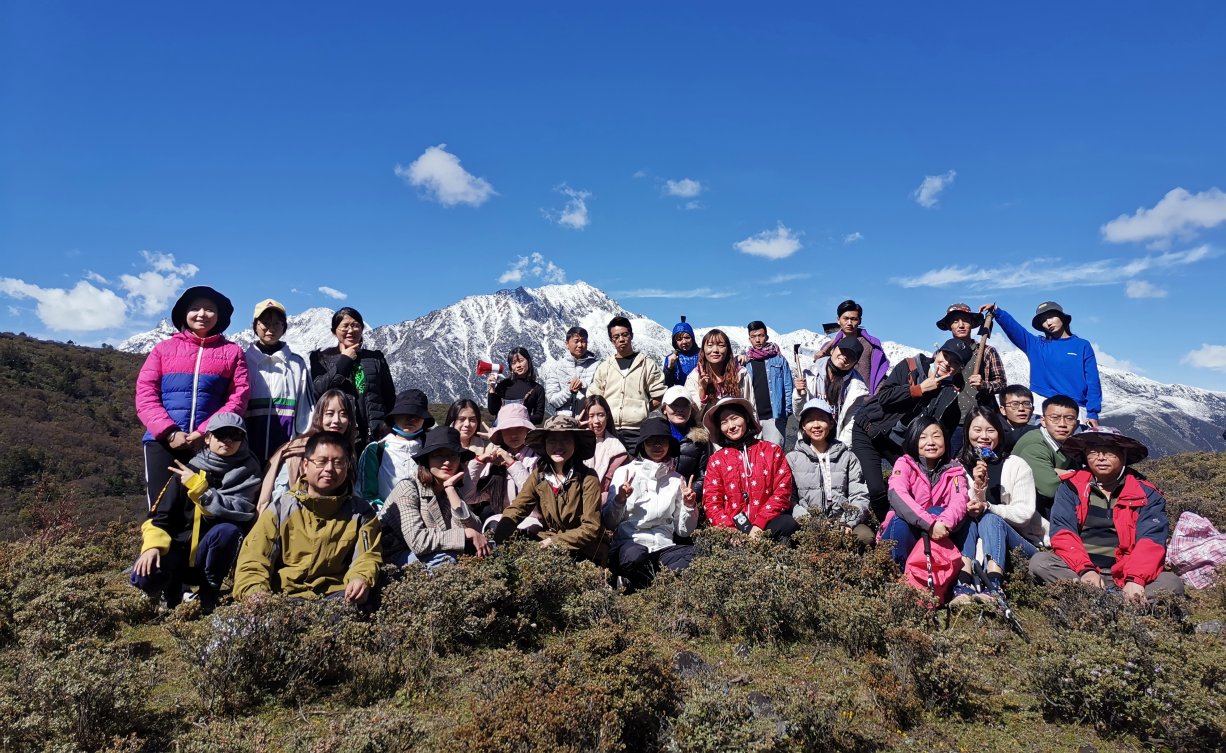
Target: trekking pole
<point>932,583</point>
<point>981,577</point>
<point>986,332</point>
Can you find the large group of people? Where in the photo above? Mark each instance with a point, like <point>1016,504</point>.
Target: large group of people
<point>305,475</point>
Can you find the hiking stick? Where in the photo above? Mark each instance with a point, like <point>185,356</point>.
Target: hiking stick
<point>981,581</point>
<point>796,359</point>
<point>986,331</point>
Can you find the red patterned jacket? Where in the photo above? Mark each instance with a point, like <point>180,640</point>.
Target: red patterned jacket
<point>760,471</point>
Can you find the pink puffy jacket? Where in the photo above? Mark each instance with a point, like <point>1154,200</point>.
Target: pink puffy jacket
<point>186,379</point>
<point>911,494</point>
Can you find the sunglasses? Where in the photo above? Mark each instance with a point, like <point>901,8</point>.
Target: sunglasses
<point>228,435</point>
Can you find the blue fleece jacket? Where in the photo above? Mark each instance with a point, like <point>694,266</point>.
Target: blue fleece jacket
<point>1058,367</point>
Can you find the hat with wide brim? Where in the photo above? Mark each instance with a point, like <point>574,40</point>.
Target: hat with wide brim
<point>1105,436</point>
<point>1044,311</point>
<point>225,309</point>
<point>585,439</point>
<point>442,438</point>
<point>511,416</point>
<point>411,403</point>
<point>960,308</point>
<point>657,427</point>
<point>709,420</point>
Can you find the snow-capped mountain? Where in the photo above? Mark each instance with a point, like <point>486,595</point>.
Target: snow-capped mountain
<point>439,351</point>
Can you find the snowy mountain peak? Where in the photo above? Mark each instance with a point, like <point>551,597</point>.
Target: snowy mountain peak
<point>439,351</point>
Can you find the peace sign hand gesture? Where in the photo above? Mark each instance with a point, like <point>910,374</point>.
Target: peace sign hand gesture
<point>688,496</point>
<point>626,489</point>
<point>486,431</point>
<point>183,472</point>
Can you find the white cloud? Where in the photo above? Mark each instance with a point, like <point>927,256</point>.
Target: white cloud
<point>658,293</point>
<point>1179,213</point>
<point>574,215</point>
<point>684,188</point>
<point>152,292</point>
<point>1207,357</point>
<point>788,278</point>
<point>928,192</point>
<point>534,265</point>
<point>1114,363</point>
<point>853,237</point>
<point>1143,289</point>
<point>14,311</point>
<point>694,205</point>
<point>779,243</point>
<point>1042,274</point>
<point>333,293</point>
<point>95,277</point>
<point>640,174</point>
<point>438,172</point>
<point>85,308</point>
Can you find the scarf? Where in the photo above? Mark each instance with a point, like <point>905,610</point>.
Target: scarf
<point>678,435</point>
<point>761,354</point>
<point>268,350</point>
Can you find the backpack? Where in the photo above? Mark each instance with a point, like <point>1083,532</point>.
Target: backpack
<point>946,562</point>
<point>360,512</point>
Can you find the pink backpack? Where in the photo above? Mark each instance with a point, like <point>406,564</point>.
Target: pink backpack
<point>946,562</point>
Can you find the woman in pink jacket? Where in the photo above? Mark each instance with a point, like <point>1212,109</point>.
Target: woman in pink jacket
<point>928,494</point>
<point>185,380</point>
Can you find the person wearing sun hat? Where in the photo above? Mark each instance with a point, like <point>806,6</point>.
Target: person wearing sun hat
<point>563,491</point>
<point>390,460</point>
<point>281,393</point>
<point>748,484</point>
<point>982,388</point>
<point>510,458</point>
<point>1108,524</point>
<point>1060,362</point>
<point>425,519</point>
<point>649,505</point>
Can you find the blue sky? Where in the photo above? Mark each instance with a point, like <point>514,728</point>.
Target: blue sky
<point>907,156</point>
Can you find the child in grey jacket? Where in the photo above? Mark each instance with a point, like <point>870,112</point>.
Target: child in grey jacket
<point>826,478</point>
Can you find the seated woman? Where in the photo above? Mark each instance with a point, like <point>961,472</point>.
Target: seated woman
<point>511,462</point>
<point>333,412</point>
<point>389,460</point>
<point>425,518</point>
<point>826,479</point>
<point>748,484</point>
<point>928,494</point>
<point>1002,499</point>
<point>360,373</point>
<point>610,452</point>
<point>695,443</point>
<point>464,416</point>
<point>563,491</point>
<point>648,506</point>
<point>522,387</point>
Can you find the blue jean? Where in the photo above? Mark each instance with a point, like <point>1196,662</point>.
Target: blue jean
<point>905,536</point>
<point>405,558</point>
<point>215,555</point>
<point>999,538</point>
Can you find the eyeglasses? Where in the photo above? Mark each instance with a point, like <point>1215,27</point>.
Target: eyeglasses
<point>338,464</point>
<point>349,328</point>
<point>1062,420</point>
<point>1100,451</point>
<point>1019,404</point>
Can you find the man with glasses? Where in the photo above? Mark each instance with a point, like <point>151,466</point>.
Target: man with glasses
<point>319,540</point>
<point>1108,525</point>
<point>1043,449</point>
<point>1017,406</point>
<point>631,382</point>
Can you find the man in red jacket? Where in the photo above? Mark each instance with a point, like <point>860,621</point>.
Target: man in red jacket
<point>1108,521</point>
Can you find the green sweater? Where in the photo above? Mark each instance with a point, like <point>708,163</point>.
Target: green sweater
<point>1045,463</point>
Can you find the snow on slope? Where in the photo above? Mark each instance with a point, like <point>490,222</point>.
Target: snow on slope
<point>438,353</point>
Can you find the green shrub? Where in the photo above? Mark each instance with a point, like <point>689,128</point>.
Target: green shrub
<point>380,729</point>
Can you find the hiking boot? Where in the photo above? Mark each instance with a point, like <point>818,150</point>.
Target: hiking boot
<point>964,596</point>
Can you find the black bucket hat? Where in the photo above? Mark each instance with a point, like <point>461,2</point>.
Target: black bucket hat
<point>960,308</point>
<point>225,309</point>
<point>1044,311</point>
<point>657,427</point>
<point>411,403</point>
<point>443,438</point>
<point>959,349</point>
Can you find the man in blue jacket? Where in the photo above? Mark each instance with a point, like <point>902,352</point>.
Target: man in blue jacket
<point>1060,362</point>
<point>771,379</point>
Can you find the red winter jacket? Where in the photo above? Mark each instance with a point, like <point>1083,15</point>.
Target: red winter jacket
<point>767,479</point>
<point>1139,514</point>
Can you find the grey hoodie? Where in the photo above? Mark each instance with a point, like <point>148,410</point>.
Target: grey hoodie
<point>847,500</point>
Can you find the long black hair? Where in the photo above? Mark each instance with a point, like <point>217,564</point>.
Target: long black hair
<point>518,350</point>
<point>910,442</point>
<point>968,456</point>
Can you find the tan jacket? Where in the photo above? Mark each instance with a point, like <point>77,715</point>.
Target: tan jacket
<point>310,547</point>
<point>571,518</point>
<point>629,396</point>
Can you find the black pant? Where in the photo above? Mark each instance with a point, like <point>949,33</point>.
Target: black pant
<point>629,437</point>
<point>159,481</point>
<point>870,452</point>
<point>640,566</point>
<point>781,527</point>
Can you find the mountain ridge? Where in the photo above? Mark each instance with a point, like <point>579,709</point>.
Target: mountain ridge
<point>438,352</point>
